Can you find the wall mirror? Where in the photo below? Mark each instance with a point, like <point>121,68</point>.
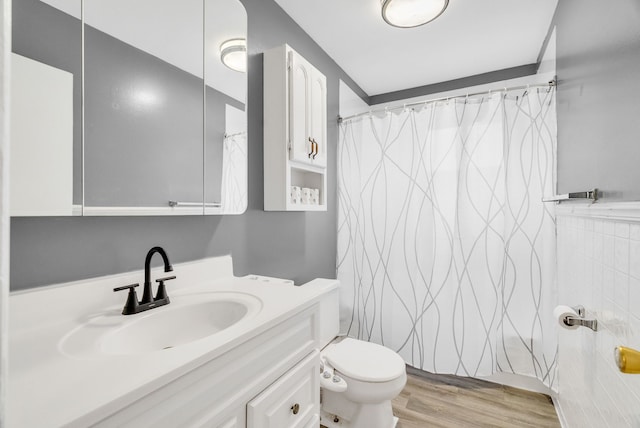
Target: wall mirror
<point>225,148</point>
<point>162,130</point>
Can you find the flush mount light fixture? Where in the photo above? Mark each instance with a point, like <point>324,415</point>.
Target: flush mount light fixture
<point>412,13</point>
<point>233,54</point>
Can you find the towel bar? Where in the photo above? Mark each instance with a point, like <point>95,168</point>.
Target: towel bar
<point>195,204</point>
<point>589,194</point>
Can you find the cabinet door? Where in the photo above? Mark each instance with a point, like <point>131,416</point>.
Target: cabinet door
<point>318,116</point>
<point>300,74</point>
<point>293,401</point>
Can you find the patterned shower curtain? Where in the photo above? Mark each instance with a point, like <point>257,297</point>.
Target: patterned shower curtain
<point>234,174</point>
<point>446,253</point>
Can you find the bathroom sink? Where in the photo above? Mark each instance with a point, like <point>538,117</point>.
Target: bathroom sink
<point>189,317</point>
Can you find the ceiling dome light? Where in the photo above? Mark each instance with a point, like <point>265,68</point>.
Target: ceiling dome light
<point>233,54</point>
<point>412,13</point>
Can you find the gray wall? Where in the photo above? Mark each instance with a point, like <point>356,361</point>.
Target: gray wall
<point>145,155</point>
<point>450,85</point>
<point>300,246</point>
<point>137,154</point>
<point>598,67</point>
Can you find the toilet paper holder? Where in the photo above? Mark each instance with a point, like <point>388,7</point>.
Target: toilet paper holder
<point>580,310</point>
<point>580,321</point>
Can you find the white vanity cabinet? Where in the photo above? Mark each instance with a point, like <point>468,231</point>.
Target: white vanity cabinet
<point>261,371</point>
<point>295,130</point>
<point>290,402</point>
<point>255,385</point>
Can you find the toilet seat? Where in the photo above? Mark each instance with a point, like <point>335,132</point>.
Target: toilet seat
<point>365,361</point>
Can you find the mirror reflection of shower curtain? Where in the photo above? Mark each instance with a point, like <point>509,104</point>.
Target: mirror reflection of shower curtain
<point>446,253</point>
<point>234,173</point>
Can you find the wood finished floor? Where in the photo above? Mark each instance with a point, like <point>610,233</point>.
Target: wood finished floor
<point>449,401</point>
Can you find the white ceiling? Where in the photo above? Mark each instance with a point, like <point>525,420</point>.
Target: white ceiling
<point>471,37</point>
<point>172,31</point>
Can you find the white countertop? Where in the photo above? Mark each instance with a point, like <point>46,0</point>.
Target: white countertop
<point>48,387</point>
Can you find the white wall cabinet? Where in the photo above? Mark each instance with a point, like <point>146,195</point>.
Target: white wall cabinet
<point>295,130</point>
<point>307,112</point>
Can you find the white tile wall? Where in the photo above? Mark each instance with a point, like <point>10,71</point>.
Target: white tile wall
<point>598,267</point>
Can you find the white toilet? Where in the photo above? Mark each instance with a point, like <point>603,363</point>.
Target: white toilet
<point>358,381</point>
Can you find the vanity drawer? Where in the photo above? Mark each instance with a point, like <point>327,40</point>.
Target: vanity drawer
<point>293,401</point>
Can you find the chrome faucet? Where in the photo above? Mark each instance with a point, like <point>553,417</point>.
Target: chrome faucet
<point>132,306</point>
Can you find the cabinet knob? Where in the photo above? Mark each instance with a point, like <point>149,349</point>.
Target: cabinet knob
<point>295,408</point>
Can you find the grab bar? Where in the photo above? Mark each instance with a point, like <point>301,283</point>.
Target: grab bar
<point>589,194</point>
<point>195,204</point>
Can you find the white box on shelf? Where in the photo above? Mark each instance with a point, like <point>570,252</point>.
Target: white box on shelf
<point>296,195</point>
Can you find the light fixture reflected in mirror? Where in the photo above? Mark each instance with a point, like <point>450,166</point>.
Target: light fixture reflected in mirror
<point>412,13</point>
<point>233,54</point>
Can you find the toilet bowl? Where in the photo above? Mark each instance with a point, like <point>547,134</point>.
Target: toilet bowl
<point>358,382</point>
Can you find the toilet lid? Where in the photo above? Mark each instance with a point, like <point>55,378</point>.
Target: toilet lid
<point>365,361</point>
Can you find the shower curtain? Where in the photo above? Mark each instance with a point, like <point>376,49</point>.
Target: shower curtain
<point>234,173</point>
<point>446,253</point>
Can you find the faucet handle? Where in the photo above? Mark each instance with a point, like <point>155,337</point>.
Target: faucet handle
<point>130,287</point>
<point>131,306</point>
<point>162,291</point>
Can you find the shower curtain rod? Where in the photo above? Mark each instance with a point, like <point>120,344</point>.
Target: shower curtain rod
<point>549,84</point>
